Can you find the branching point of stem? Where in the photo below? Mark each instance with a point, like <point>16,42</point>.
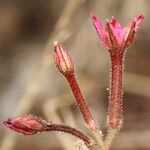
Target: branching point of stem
<point>111,134</point>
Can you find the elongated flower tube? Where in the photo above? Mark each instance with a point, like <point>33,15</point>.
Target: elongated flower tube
<point>114,36</point>
<point>65,66</point>
<point>116,39</point>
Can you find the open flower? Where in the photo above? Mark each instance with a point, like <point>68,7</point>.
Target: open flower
<point>114,36</point>
<point>27,124</point>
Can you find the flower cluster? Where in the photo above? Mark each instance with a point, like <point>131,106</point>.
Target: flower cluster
<point>116,39</point>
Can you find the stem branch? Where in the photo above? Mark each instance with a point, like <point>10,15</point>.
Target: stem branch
<point>68,130</point>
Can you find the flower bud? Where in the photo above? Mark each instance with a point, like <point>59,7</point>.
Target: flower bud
<point>62,59</point>
<point>27,124</point>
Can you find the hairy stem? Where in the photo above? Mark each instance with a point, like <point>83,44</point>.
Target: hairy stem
<point>114,119</point>
<point>81,102</point>
<point>68,130</point>
<point>115,114</point>
<point>98,139</point>
<point>111,134</point>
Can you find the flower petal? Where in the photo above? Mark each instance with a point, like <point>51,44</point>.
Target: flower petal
<point>103,34</point>
<point>131,29</point>
<point>138,21</point>
<point>115,22</point>
<point>112,35</point>
<point>129,35</point>
<point>117,30</point>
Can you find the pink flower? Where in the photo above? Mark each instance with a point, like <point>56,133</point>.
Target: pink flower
<point>114,36</point>
<point>27,124</point>
<point>62,59</point>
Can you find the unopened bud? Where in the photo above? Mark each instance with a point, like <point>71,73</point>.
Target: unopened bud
<point>62,59</point>
<point>27,124</point>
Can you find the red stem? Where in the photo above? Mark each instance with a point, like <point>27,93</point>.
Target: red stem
<point>116,92</point>
<point>81,102</point>
<point>68,130</point>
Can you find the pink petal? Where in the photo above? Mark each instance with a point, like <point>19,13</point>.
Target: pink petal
<point>101,31</point>
<point>138,20</point>
<point>113,34</point>
<point>131,29</point>
<point>99,27</point>
<point>129,34</point>
<point>115,22</point>
<point>116,30</point>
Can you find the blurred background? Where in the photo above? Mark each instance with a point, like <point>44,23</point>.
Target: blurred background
<point>30,82</point>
